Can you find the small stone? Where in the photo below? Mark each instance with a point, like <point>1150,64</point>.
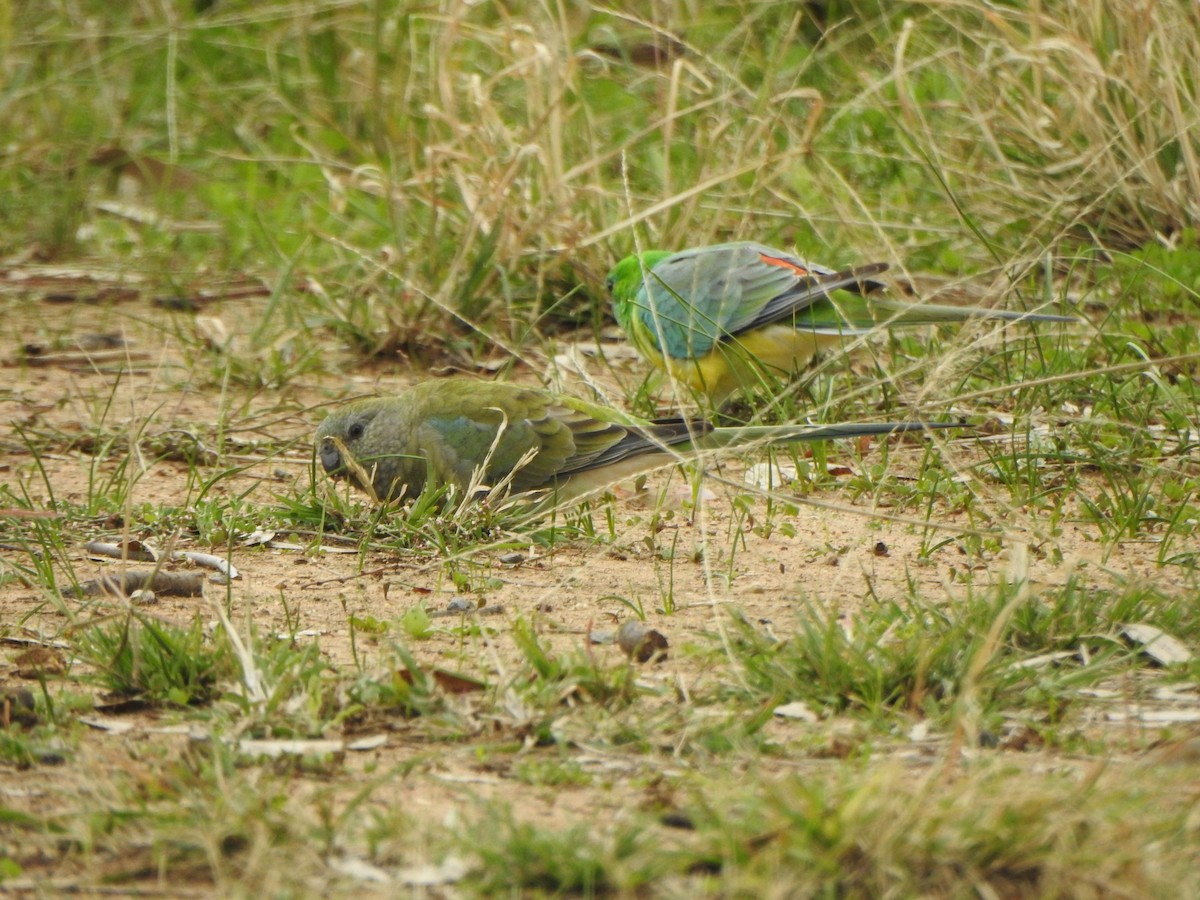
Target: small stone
<point>641,643</point>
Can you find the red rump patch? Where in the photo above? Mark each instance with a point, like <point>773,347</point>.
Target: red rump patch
<point>784,264</point>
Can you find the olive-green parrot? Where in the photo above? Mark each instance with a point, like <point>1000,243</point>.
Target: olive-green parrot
<point>718,318</point>
<point>446,431</point>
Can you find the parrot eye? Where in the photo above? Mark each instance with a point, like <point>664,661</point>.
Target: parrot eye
<point>355,431</point>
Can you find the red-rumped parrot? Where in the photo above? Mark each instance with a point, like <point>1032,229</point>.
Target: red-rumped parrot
<point>464,432</point>
<point>720,317</point>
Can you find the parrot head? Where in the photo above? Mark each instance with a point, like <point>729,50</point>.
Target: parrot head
<point>356,444</point>
<point>625,280</point>
<point>347,427</point>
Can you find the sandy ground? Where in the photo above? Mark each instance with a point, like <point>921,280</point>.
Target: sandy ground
<point>144,380</point>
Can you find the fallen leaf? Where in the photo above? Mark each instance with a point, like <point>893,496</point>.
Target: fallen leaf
<point>258,537</point>
<point>213,332</point>
<point>797,709</point>
<point>450,682</point>
<point>769,475</point>
<point>38,662</point>
<point>275,749</point>
<point>1157,644</point>
<point>360,870</point>
<point>112,726</point>
<point>448,871</point>
<point>370,742</point>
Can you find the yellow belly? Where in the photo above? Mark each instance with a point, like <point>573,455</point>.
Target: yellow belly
<point>775,350</point>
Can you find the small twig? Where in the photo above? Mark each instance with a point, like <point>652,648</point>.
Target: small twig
<point>343,579</point>
<point>16,512</point>
<point>208,561</point>
<point>142,553</point>
<point>137,553</point>
<point>85,359</point>
<point>176,584</point>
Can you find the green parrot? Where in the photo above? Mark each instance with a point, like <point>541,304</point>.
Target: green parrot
<point>718,317</point>
<point>446,431</point>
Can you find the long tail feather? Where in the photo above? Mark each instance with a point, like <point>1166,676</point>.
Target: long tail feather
<point>734,437</point>
<point>892,312</point>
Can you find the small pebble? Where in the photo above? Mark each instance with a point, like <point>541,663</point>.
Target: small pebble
<point>641,643</point>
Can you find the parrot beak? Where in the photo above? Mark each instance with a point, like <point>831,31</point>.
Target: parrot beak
<point>331,459</point>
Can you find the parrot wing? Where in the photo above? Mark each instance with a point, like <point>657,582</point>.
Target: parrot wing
<point>654,437</point>
<point>530,433</point>
<point>465,426</point>
<point>693,300</point>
